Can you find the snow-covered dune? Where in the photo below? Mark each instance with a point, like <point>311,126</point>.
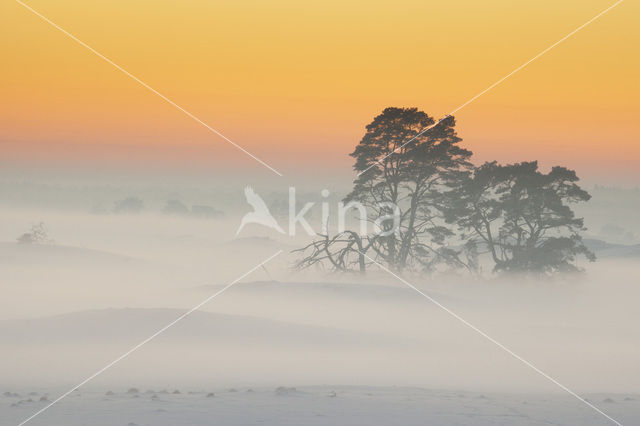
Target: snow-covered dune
<point>49,254</point>
<point>107,325</point>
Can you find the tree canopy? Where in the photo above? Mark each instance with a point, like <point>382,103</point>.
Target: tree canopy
<point>402,167</point>
<point>521,216</point>
<point>431,207</point>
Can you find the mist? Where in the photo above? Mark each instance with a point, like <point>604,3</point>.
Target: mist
<point>109,280</point>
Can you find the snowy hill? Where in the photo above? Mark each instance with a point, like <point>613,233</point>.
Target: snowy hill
<point>105,325</point>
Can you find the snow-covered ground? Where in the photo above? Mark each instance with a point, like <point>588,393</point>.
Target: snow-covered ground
<point>315,405</point>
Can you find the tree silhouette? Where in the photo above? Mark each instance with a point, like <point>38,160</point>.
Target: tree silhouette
<point>400,166</point>
<point>37,235</point>
<point>446,212</point>
<point>522,217</point>
<point>176,207</point>
<point>404,173</point>
<point>129,205</point>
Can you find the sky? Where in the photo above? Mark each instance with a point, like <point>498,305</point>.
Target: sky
<point>295,83</point>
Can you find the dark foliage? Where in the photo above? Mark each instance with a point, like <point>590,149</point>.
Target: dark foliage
<point>403,165</point>
<point>521,216</point>
<point>447,212</point>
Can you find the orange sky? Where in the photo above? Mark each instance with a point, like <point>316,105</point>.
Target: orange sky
<point>296,82</point>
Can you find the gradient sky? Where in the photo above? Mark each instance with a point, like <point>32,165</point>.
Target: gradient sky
<point>296,82</point>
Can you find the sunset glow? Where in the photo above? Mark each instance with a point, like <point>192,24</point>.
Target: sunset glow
<point>295,83</point>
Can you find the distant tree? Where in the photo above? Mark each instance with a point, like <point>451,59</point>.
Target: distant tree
<point>37,235</point>
<point>204,211</point>
<point>279,208</point>
<point>129,205</point>
<point>521,216</point>
<point>175,207</point>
